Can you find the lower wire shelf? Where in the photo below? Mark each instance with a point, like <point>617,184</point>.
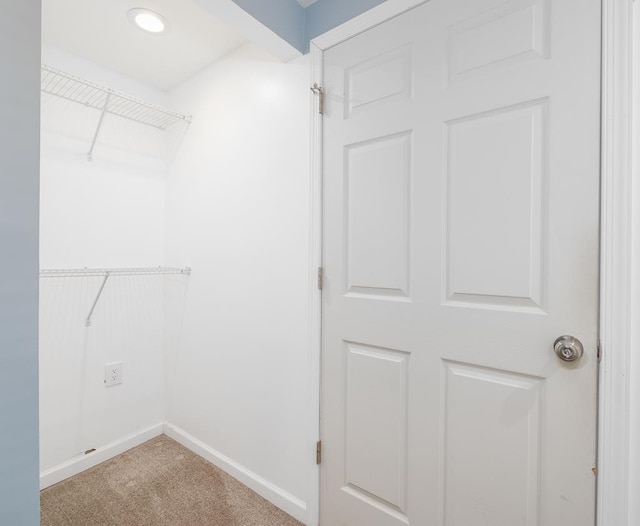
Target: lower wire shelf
<point>106,273</point>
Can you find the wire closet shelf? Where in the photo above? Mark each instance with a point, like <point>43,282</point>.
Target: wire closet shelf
<point>107,100</point>
<point>101,272</point>
<point>105,274</point>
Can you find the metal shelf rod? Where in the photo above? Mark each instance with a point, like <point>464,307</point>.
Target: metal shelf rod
<point>101,272</point>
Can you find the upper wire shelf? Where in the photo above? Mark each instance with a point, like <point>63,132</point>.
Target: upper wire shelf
<point>93,95</point>
<point>107,101</point>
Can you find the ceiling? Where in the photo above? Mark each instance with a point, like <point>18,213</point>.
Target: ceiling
<point>99,30</point>
<point>306,3</point>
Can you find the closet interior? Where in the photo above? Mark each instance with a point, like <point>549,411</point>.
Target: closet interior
<point>174,258</point>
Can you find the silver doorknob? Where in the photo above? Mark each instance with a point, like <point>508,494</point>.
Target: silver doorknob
<point>568,348</point>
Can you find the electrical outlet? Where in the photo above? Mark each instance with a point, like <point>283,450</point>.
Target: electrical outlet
<point>113,374</point>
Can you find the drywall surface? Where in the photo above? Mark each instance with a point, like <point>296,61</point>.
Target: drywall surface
<point>108,212</point>
<point>77,411</point>
<point>237,213</point>
<point>105,213</point>
<point>19,136</point>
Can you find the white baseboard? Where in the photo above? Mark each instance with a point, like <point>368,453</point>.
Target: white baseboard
<point>81,463</point>
<point>277,496</point>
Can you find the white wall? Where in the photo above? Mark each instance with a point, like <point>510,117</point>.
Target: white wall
<point>237,213</point>
<point>235,208</point>
<point>105,213</point>
<point>109,212</point>
<point>19,138</point>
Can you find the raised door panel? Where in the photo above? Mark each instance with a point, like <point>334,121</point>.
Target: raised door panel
<point>377,197</point>
<point>513,32</point>
<point>376,426</point>
<point>385,78</point>
<point>492,450</point>
<point>495,204</point>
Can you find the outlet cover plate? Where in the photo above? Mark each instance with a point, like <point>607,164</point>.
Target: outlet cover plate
<point>113,374</point>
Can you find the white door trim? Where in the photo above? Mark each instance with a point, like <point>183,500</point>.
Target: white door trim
<point>615,273</point>
<point>315,297</point>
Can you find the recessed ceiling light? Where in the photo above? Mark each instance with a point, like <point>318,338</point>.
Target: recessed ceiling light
<point>148,20</point>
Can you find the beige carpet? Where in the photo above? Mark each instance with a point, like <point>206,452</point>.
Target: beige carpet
<point>159,483</point>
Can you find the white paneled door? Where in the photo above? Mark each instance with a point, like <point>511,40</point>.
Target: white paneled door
<point>461,191</point>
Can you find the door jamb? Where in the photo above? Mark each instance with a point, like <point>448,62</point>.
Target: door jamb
<point>315,296</point>
<point>615,265</point>
<point>615,271</point>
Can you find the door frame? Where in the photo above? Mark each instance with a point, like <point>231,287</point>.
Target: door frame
<point>615,255</point>
<point>616,263</point>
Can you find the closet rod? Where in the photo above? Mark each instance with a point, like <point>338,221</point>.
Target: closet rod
<point>102,272</point>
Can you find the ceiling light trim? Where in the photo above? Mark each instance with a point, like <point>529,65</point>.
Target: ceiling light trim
<point>151,22</point>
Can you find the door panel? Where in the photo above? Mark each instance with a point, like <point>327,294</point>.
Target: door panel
<point>377,391</point>
<point>492,262</point>
<point>461,197</point>
<point>380,79</point>
<point>502,408</point>
<point>377,196</point>
<point>513,31</point>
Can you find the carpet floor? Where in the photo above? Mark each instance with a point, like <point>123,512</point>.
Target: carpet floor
<point>159,483</point>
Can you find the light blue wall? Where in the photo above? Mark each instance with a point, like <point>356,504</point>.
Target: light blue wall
<point>19,189</point>
<point>297,25</point>
<point>327,14</point>
<point>286,18</point>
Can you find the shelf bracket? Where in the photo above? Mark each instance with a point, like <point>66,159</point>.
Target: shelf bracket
<point>95,135</point>
<point>87,322</point>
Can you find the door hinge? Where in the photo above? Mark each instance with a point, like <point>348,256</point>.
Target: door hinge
<point>319,91</point>
<point>320,278</point>
<point>599,351</point>
<point>318,451</point>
